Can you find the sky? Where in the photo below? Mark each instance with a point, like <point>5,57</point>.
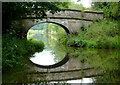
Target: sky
<point>85,3</point>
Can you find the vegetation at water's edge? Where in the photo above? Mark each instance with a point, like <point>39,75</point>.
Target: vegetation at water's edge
<point>48,29</point>
<point>103,34</point>
<point>53,36</point>
<point>16,51</point>
<point>104,60</point>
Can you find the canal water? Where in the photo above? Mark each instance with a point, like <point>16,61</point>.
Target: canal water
<point>53,54</point>
<point>83,65</point>
<point>63,64</point>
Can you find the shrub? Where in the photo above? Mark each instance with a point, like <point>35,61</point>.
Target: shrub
<point>16,51</point>
<point>102,34</point>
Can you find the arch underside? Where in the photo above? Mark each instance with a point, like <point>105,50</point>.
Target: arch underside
<point>65,28</point>
<point>28,23</point>
<point>70,26</point>
<point>63,24</point>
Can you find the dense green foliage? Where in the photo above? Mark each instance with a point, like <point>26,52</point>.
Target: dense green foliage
<point>16,51</point>
<point>111,9</point>
<point>73,5</point>
<point>103,34</point>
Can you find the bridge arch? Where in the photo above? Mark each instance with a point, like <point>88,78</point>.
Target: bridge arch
<point>36,22</point>
<point>59,24</point>
<point>62,29</point>
<point>70,20</point>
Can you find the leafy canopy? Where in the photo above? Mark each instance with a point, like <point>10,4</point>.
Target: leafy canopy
<point>16,10</point>
<point>111,9</point>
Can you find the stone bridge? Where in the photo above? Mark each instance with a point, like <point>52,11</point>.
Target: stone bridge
<point>71,20</point>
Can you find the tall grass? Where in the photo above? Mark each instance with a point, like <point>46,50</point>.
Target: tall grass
<point>102,34</point>
<point>15,51</point>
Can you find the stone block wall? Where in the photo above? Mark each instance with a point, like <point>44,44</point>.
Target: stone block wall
<point>77,14</point>
<point>72,20</point>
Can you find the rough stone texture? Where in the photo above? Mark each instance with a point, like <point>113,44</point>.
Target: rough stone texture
<point>70,14</point>
<point>93,16</point>
<point>63,76</point>
<point>87,23</point>
<point>73,69</point>
<point>72,20</point>
<point>77,14</point>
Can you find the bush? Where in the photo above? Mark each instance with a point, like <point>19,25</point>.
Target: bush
<point>111,9</point>
<point>16,51</point>
<point>102,34</point>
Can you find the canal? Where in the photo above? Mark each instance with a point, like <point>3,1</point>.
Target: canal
<point>61,63</point>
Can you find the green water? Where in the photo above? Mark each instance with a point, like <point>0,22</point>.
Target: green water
<point>106,61</point>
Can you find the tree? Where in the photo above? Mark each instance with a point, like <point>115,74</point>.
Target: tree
<point>111,9</point>
<point>73,5</point>
<point>17,10</point>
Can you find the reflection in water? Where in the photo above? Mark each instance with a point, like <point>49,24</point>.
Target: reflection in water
<point>101,59</point>
<point>105,60</point>
<point>50,55</point>
<point>77,67</point>
<point>84,80</point>
<point>43,58</point>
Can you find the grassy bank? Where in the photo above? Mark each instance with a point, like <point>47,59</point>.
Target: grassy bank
<point>16,51</point>
<point>102,34</point>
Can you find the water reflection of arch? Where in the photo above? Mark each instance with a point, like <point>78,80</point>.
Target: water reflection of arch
<point>62,62</point>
